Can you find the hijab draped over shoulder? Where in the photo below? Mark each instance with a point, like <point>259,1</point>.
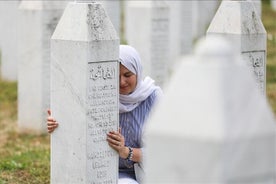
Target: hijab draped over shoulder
<point>130,58</point>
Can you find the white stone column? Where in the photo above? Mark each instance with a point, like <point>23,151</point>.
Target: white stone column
<point>84,95</point>
<point>38,20</point>
<point>212,125</point>
<point>239,22</point>
<point>148,31</point>
<point>8,39</point>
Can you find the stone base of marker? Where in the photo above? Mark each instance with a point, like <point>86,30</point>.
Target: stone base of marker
<point>84,96</point>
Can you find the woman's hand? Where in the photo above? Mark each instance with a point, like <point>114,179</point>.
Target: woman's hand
<point>51,122</point>
<point>117,141</point>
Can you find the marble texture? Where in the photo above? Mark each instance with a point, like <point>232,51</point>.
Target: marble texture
<point>84,95</point>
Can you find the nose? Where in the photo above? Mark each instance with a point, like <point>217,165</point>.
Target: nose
<point>122,81</point>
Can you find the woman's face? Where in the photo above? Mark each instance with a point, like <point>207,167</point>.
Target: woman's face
<point>128,81</point>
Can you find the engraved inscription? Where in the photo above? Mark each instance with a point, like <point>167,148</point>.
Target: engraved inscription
<point>102,117</point>
<point>257,63</point>
<point>159,44</point>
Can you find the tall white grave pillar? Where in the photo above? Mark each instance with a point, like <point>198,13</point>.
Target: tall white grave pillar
<point>239,22</point>
<point>147,30</point>
<point>84,95</point>
<point>8,39</point>
<point>212,125</point>
<point>38,20</point>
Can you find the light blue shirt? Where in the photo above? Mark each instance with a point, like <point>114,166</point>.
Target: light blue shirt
<point>132,124</point>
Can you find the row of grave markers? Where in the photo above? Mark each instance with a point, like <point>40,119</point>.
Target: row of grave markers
<point>37,20</point>
<point>80,104</point>
<point>159,43</point>
<point>225,115</point>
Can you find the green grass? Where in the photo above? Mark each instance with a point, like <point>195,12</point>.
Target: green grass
<point>25,158</point>
<point>268,18</point>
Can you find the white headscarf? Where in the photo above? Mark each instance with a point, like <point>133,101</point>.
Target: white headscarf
<point>130,58</point>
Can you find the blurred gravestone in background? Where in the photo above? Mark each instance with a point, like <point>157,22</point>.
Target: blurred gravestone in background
<point>147,29</point>
<point>37,21</point>
<point>239,22</point>
<point>213,125</point>
<point>8,39</point>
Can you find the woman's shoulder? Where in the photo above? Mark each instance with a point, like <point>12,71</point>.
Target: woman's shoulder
<point>155,96</point>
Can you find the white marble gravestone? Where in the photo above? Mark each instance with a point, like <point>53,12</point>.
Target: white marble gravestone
<point>212,125</point>
<point>147,29</point>
<point>84,95</point>
<point>38,20</point>
<point>239,22</point>
<point>8,39</point>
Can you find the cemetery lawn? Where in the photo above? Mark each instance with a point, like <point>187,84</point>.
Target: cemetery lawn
<point>25,158</point>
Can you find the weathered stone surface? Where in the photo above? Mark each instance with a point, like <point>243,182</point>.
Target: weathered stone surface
<point>84,95</point>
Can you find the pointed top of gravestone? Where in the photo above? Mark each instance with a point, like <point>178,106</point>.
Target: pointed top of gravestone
<point>91,24</point>
<point>212,100</point>
<point>237,17</point>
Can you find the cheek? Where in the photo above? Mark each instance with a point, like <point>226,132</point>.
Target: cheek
<point>134,82</point>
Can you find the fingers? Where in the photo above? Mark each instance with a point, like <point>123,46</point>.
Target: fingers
<point>115,135</point>
<point>115,140</point>
<point>51,122</point>
<point>49,112</point>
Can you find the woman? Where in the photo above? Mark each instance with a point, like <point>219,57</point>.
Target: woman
<point>137,97</point>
